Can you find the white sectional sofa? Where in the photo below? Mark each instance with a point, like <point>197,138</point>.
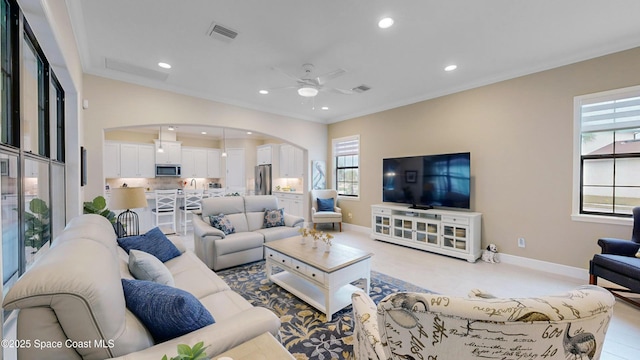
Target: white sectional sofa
<point>246,213</point>
<point>74,296</point>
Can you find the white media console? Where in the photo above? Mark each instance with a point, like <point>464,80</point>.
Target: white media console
<point>447,232</point>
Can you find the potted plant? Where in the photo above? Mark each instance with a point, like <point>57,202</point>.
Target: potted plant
<point>37,226</point>
<point>99,206</point>
<point>185,352</point>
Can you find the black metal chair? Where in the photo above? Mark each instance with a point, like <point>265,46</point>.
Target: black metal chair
<point>618,262</point>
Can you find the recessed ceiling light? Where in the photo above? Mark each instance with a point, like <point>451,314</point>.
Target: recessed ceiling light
<point>171,128</point>
<point>385,23</point>
<point>249,133</point>
<point>450,67</point>
<point>203,132</point>
<point>325,108</point>
<point>164,65</point>
<point>264,92</point>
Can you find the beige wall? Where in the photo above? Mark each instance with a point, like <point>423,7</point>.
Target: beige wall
<point>520,135</point>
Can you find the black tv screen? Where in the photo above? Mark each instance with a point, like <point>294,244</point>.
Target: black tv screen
<point>428,181</point>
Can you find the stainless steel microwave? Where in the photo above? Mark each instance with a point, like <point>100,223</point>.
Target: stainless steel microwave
<point>168,170</point>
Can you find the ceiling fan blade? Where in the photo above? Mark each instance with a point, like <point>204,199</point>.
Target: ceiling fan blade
<point>330,75</point>
<point>283,87</point>
<point>290,76</point>
<point>338,91</point>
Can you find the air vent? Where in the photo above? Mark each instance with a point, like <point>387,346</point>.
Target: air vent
<point>361,88</point>
<point>221,32</point>
<point>128,68</point>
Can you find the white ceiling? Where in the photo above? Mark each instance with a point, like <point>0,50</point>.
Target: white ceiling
<point>489,40</point>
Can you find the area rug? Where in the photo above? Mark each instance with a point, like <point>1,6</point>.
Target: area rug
<point>304,331</point>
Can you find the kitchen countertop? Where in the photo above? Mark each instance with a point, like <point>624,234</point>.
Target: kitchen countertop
<point>287,192</point>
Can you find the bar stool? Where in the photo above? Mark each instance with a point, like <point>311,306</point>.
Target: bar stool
<point>165,207</point>
<point>192,201</point>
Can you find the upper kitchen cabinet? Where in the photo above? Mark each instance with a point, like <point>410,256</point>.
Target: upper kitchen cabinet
<point>172,153</point>
<point>194,162</point>
<point>111,160</point>
<point>291,162</point>
<point>213,163</point>
<point>266,154</point>
<point>137,161</point>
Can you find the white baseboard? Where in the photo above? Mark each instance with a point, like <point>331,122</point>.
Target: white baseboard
<point>357,228</point>
<point>540,265</point>
<point>553,268</point>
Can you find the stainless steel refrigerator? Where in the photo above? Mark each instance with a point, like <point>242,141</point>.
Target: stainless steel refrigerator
<point>263,180</point>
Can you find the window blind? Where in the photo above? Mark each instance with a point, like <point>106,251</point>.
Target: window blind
<point>346,146</point>
<point>611,114</point>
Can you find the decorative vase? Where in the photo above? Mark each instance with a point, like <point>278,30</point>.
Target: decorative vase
<point>315,244</point>
<point>327,247</point>
<point>303,240</point>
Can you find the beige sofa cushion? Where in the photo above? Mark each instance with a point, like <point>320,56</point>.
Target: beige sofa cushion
<point>85,294</point>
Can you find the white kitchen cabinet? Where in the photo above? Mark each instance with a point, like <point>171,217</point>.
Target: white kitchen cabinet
<point>291,161</point>
<point>266,154</point>
<point>172,153</point>
<point>194,162</point>
<point>291,203</point>
<point>111,160</point>
<point>213,163</point>
<point>137,161</point>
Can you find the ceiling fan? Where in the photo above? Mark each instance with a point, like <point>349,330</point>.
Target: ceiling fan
<point>309,85</point>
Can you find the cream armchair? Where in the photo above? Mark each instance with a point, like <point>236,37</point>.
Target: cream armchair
<point>322,216</point>
<point>431,326</point>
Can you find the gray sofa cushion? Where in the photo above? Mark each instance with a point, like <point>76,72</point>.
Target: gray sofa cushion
<point>279,232</point>
<point>239,242</point>
<point>225,205</point>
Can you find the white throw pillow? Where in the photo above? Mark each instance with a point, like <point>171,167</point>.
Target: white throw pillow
<point>144,266</point>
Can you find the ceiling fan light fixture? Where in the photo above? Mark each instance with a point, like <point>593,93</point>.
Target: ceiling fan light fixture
<point>307,91</point>
<point>385,23</point>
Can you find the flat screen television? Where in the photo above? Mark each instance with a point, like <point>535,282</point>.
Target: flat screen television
<point>428,181</point>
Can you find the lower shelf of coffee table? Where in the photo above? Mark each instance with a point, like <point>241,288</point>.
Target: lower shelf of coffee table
<point>312,295</point>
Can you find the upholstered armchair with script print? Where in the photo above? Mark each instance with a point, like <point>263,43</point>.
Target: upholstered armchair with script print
<point>431,326</point>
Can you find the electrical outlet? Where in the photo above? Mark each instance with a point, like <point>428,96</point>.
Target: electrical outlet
<point>350,215</point>
<point>521,242</point>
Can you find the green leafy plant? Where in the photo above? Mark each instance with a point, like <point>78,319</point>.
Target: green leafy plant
<point>185,352</point>
<point>37,226</point>
<point>99,206</point>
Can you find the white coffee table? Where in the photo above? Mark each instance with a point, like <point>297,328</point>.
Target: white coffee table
<point>321,279</point>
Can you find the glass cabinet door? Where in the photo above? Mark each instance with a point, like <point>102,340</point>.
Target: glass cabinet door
<point>455,237</point>
<point>382,224</point>
<point>427,232</point>
<point>403,228</point>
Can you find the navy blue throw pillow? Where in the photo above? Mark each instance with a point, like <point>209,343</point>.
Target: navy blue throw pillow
<point>325,204</point>
<point>153,242</point>
<point>165,311</point>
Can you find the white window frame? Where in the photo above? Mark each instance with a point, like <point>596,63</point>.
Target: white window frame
<point>578,101</point>
<point>335,152</point>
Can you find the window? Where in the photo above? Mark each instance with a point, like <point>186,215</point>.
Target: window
<point>32,153</point>
<point>7,130</point>
<point>33,90</point>
<point>347,165</point>
<point>609,152</point>
<point>56,116</point>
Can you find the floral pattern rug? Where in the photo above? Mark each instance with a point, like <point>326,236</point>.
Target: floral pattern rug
<point>304,331</point>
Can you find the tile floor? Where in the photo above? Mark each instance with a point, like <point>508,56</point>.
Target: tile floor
<point>456,277</point>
